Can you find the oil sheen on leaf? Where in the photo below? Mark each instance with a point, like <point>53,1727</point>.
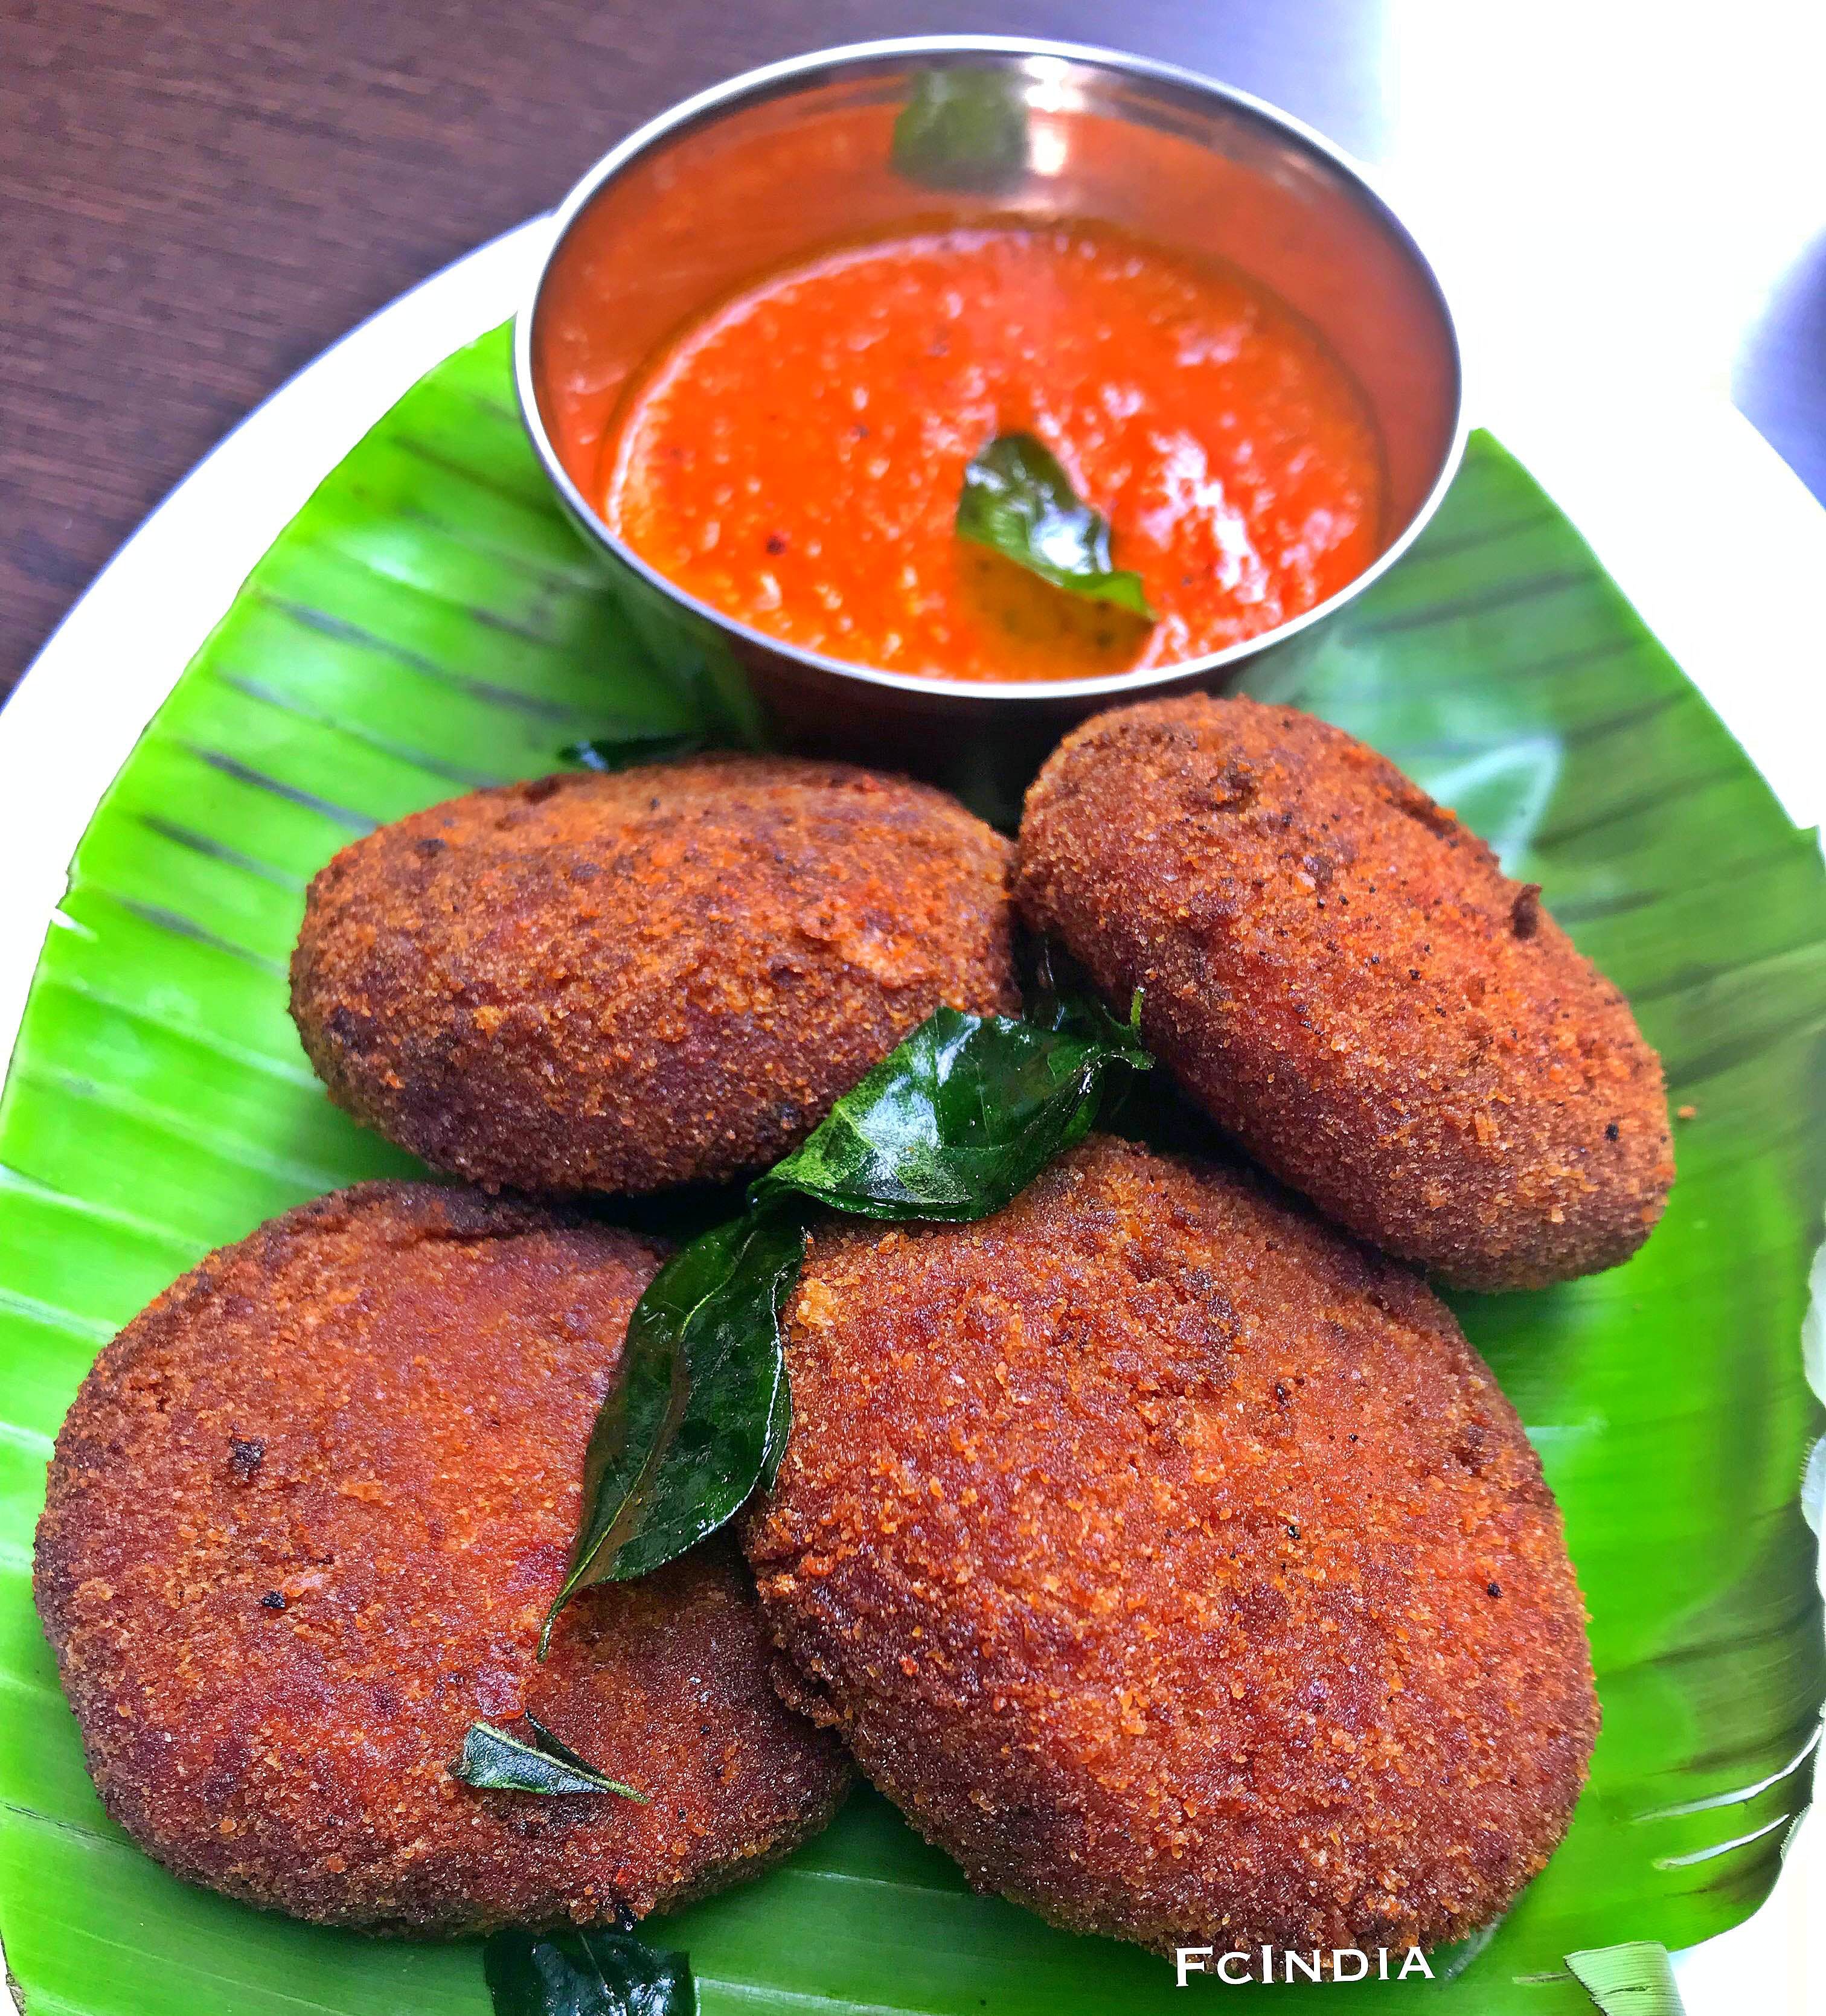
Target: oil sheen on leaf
<point>962,1116</point>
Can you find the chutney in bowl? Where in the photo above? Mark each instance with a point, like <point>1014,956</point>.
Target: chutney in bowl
<point>780,325</point>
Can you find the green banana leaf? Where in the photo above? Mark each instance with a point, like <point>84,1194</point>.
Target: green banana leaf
<point>429,623</point>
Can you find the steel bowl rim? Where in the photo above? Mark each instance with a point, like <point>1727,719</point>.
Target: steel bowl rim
<point>773,79</point>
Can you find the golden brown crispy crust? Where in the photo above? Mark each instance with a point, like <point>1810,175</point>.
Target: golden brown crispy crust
<point>667,976</point>
<point>304,1521</point>
<point>1343,976</point>
<point>1175,1563</point>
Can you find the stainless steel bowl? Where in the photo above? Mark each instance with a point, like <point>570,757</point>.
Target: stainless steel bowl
<point>775,164</point>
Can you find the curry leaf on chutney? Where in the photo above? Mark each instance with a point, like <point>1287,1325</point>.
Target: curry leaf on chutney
<point>585,1970</point>
<point>1017,500</point>
<point>952,1124</point>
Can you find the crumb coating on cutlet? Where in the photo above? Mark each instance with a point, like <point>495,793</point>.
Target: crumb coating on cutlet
<point>667,976</point>
<point>304,1521</point>
<point>1343,976</point>
<point>1173,1562</point>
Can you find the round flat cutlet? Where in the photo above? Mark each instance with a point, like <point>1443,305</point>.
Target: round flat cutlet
<point>1341,975</point>
<point>304,1521</point>
<point>1174,1564</point>
<point>666,976</point>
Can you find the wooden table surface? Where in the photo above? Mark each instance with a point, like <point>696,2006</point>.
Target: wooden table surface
<point>198,195</point>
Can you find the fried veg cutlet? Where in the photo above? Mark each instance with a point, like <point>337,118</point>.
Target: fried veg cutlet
<point>667,976</point>
<point>304,1521</point>
<point>1345,979</point>
<point>1173,1562</point>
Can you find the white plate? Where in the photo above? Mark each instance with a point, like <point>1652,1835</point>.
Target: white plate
<point>1691,512</point>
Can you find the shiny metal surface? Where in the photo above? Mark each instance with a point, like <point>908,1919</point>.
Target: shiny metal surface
<point>781,162</point>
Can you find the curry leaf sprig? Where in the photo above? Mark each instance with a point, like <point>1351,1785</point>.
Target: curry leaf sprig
<point>585,1970</point>
<point>952,1125</point>
<point>1017,500</point>
<point>493,1760</point>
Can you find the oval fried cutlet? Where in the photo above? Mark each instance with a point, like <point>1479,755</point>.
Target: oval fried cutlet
<point>304,1521</point>
<point>1343,976</point>
<point>663,977</point>
<point>1173,1562</point>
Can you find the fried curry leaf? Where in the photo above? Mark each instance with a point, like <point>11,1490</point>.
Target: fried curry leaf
<point>962,129</point>
<point>685,1433</point>
<point>960,1119</point>
<point>961,1116</point>
<point>595,1971</point>
<point>495,1762</point>
<point>1018,501</point>
<point>555,1746</point>
<point>608,753</point>
<point>1633,1980</point>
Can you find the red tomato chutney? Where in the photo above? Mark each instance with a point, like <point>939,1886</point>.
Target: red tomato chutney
<point>795,458</point>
